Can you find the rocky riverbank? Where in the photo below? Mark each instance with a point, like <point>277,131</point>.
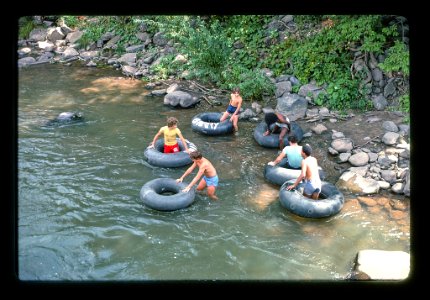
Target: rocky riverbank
<point>366,154</point>
<point>377,161</point>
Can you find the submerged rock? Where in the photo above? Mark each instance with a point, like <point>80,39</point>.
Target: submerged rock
<point>65,118</point>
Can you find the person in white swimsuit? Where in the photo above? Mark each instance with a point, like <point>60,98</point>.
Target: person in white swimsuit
<point>309,174</point>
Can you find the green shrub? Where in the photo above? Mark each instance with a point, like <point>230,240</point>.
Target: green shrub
<point>26,25</point>
<point>71,21</point>
<point>163,69</point>
<point>206,49</point>
<point>325,55</point>
<point>253,84</point>
<point>322,49</point>
<point>397,59</point>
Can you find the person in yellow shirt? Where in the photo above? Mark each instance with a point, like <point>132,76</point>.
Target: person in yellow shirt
<point>170,132</point>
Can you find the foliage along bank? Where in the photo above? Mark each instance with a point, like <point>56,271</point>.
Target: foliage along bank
<point>353,58</point>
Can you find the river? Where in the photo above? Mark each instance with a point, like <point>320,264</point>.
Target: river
<point>80,216</point>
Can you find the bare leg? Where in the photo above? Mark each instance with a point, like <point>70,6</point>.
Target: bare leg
<point>202,185</point>
<point>313,196</point>
<point>224,116</point>
<point>281,137</point>
<point>306,195</point>
<point>235,120</point>
<point>211,192</point>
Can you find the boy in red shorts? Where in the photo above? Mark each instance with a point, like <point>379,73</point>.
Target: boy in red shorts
<point>170,132</point>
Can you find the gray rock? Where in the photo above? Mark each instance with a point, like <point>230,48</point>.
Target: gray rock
<point>377,74</point>
<point>357,184</point>
<point>282,88</point>
<point>172,88</point>
<point>312,112</point>
<point>70,53</point>
<point>404,128</point>
<point>23,62</point>
<point>159,39</point>
<point>384,185</point>
<point>359,170</point>
<point>293,106</point>
<point>38,34</point>
<point>180,98</point>
<point>390,126</point>
<point>294,81</point>
<point>397,188</point>
<point>319,129</point>
<point>337,135</point>
<point>359,159</point>
<point>159,92</point>
<point>379,102</point>
<point>128,58</point>
<point>342,145</point>
<point>372,156</point>
<point>311,90</point>
<point>390,138</point>
<point>406,188</point>
<point>55,34</point>
<point>332,151</point>
<point>343,157</point>
<point>73,37</point>
<point>389,176</point>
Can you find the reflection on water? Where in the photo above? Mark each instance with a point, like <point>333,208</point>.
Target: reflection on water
<point>80,215</point>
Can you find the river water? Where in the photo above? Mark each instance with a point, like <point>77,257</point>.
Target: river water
<point>80,216</point>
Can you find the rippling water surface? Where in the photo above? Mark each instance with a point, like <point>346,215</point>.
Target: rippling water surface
<point>80,216</point>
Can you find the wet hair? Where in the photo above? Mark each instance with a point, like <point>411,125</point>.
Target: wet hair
<point>195,155</point>
<point>270,118</point>
<point>236,89</point>
<point>172,121</point>
<point>292,138</point>
<point>307,150</point>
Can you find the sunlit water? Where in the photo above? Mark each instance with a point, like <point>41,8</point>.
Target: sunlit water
<point>80,216</point>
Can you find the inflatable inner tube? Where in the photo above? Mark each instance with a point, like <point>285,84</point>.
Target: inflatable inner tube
<point>330,201</point>
<point>208,123</point>
<point>66,118</point>
<point>272,140</point>
<point>279,174</point>
<point>156,156</point>
<point>165,194</point>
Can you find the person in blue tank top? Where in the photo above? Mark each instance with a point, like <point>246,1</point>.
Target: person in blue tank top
<point>293,152</point>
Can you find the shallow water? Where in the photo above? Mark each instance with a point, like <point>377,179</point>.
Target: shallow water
<point>80,216</point>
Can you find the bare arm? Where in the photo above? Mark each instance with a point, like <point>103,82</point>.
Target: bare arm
<point>282,118</point>
<point>183,142</point>
<point>278,159</point>
<point>188,171</point>
<point>237,108</point>
<point>300,178</point>
<point>231,99</point>
<point>155,138</point>
<point>195,179</point>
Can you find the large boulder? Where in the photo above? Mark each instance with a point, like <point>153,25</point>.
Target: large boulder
<point>180,98</point>
<point>357,184</point>
<point>383,265</point>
